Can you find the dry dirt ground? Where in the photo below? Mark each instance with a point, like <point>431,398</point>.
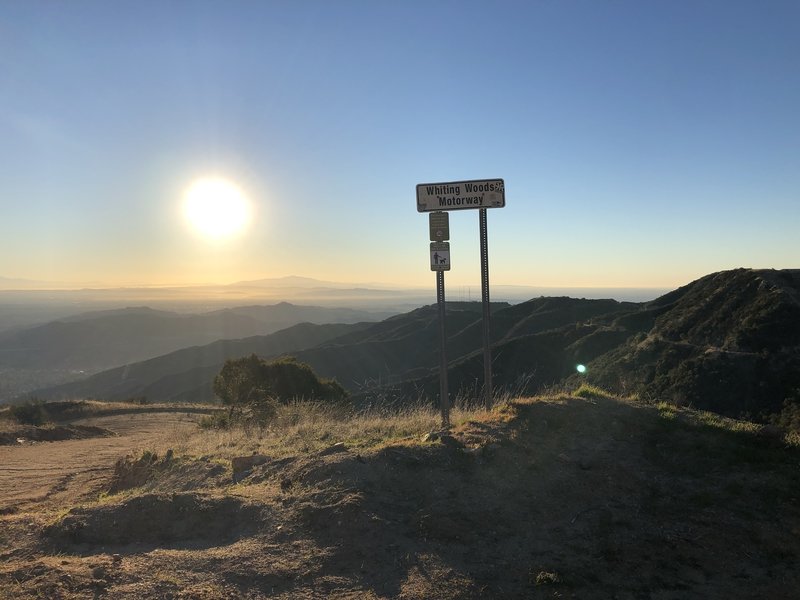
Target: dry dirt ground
<point>40,475</point>
<point>554,498</point>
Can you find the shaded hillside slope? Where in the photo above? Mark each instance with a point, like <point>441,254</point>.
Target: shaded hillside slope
<point>103,339</point>
<point>168,377</point>
<point>729,342</point>
<point>560,497</point>
<point>399,348</point>
<point>537,344</point>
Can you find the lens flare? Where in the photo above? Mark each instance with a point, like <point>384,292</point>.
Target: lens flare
<point>580,368</point>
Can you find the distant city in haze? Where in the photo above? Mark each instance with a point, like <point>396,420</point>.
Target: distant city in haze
<point>302,290</point>
<point>642,145</point>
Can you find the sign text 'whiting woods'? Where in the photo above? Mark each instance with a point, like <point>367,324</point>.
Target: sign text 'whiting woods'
<point>457,195</point>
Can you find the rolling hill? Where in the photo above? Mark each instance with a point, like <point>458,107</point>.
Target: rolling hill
<point>400,348</point>
<point>91,342</point>
<point>174,375</point>
<point>728,342</point>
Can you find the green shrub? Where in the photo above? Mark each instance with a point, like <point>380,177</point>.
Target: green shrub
<point>30,413</point>
<point>789,417</point>
<point>252,388</point>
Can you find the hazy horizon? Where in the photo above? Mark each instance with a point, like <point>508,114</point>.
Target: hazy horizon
<point>298,290</point>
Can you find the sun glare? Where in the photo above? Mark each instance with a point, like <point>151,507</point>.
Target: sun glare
<point>216,208</point>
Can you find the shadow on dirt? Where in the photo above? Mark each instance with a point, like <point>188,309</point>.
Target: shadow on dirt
<point>52,433</point>
<point>165,520</point>
<point>582,494</point>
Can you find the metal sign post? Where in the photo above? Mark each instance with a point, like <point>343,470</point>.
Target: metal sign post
<point>444,395</point>
<point>434,198</point>
<point>440,262</point>
<point>487,348</point>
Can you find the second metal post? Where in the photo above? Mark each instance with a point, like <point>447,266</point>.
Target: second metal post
<point>487,349</point>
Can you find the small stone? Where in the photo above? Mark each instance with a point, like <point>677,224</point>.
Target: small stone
<point>336,448</point>
<point>240,464</point>
<point>450,441</point>
<point>98,572</point>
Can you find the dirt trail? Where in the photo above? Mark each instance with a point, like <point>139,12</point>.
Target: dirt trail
<point>53,474</point>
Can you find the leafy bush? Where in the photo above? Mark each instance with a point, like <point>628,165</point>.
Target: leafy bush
<point>252,387</point>
<point>30,413</point>
<point>789,417</point>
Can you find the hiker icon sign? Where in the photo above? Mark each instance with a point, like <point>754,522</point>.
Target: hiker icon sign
<point>440,256</point>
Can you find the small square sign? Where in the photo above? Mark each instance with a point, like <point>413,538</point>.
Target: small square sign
<point>440,256</point>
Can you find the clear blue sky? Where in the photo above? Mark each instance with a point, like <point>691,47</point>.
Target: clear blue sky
<point>642,143</point>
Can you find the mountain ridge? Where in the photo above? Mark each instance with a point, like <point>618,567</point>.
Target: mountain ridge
<point>728,341</point>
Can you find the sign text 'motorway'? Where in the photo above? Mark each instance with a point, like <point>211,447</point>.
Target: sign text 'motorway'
<point>459,195</point>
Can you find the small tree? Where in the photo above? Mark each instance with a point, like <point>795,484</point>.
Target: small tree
<point>238,383</point>
<point>256,385</point>
<point>30,413</point>
<point>290,379</point>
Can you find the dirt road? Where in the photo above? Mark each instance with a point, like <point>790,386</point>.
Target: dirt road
<point>53,474</point>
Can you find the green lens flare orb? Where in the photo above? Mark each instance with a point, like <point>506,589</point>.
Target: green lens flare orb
<point>581,368</point>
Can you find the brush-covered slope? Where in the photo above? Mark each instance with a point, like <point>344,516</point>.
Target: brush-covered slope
<point>178,374</point>
<point>103,339</point>
<point>729,342</point>
<point>362,358</point>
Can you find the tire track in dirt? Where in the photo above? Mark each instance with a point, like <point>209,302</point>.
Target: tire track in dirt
<point>59,474</point>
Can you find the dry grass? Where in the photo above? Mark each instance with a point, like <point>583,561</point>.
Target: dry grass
<point>303,427</point>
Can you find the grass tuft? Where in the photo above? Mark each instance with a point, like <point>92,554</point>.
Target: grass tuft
<point>590,392</point>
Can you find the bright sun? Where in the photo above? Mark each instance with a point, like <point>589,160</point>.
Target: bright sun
<point>216,208</point>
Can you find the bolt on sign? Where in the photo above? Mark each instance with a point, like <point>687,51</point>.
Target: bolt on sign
<point>460,195</point>
<point>440,226</point>
<point>440,256</point>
